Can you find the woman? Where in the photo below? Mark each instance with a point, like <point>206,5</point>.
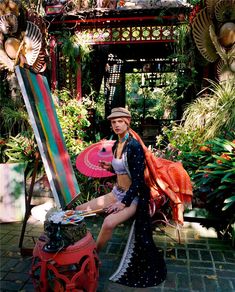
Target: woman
<point>142,264</point>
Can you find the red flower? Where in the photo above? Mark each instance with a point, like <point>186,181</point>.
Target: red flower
<point>194,12</point>
<point>226,156</point>
<point>205,149</point>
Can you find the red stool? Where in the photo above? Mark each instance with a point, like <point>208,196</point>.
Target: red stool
<point>73,269</point>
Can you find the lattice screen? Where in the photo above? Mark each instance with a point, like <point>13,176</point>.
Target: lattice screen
<point>114,83</point>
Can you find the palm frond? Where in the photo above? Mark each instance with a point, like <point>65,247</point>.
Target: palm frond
<point>213,112</point>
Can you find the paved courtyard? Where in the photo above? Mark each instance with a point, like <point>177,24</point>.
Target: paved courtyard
<point>201,262</point>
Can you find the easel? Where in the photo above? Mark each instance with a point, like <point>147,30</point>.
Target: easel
<point>28,207</point>
<point>48,134</point>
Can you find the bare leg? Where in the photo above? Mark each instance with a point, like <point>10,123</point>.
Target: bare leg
<point>97,203</point>
<point>110,222</point>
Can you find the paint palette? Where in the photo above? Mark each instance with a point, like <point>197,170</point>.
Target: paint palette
<point>66,217</point>
<point>72,219</point>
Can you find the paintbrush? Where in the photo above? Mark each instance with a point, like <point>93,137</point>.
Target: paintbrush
<point>85,213</point>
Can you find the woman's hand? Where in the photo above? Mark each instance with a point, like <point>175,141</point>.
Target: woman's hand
<point>104,164</point>
<point>115,208</point>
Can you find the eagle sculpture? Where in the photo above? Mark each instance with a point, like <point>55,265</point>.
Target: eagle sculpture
<point>213,29</point>
<point>22,37</point>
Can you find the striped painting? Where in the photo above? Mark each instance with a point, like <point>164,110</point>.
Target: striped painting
<point>49,137</point>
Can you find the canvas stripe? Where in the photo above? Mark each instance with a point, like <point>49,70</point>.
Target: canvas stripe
<point>49,126</point>
<point>65,157</point>
<point>48,138</point>
<point>36,112</point>
<point>43,133</point>
<point>58,138</point>
<point>51,137</point>
<point>28,95</point>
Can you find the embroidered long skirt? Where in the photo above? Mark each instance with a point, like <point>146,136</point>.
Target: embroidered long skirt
<point>142,264</point>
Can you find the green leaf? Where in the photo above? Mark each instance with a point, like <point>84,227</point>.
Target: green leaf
<point>231,199</point>
<point>225,178</point>
<point>228,180</point>
<point>227,206</point>
<point>220,171</point>
<point>223,187</point>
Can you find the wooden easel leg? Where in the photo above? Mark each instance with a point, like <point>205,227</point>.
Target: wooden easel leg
<point>28,206</point>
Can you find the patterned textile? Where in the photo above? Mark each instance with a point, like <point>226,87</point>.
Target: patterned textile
<point>142,264</point>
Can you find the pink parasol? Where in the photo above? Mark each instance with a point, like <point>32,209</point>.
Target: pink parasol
<point>87,161</point>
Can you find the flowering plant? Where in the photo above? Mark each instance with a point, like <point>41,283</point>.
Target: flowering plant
<point>216,177</point>
<point>23,148</point>
<point>211,166</point>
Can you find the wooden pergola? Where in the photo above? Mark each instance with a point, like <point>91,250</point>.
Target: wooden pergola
<point>123,39</point>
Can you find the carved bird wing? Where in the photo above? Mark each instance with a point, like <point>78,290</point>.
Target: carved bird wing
<point>225,10</point>
<point>219,49</point>
<point>32,42</point>
<point>210,6</point>
<point>201,35</point>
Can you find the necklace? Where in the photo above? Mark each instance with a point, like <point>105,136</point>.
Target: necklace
<point>124,138</point>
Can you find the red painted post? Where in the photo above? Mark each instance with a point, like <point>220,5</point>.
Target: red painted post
<point>53,45</point>
<point>79,81</point>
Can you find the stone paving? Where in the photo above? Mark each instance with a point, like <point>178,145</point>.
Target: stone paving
<point>201,262</point>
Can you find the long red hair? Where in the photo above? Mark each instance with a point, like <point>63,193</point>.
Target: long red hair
<point>168,177</point>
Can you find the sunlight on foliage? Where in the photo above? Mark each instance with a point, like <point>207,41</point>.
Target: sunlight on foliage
<point>73,120</point>
<point>212,112</point>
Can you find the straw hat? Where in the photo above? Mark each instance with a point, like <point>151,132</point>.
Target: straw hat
<point>119,112</point>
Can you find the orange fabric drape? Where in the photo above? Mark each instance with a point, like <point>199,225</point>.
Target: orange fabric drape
<point>162,175</point>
